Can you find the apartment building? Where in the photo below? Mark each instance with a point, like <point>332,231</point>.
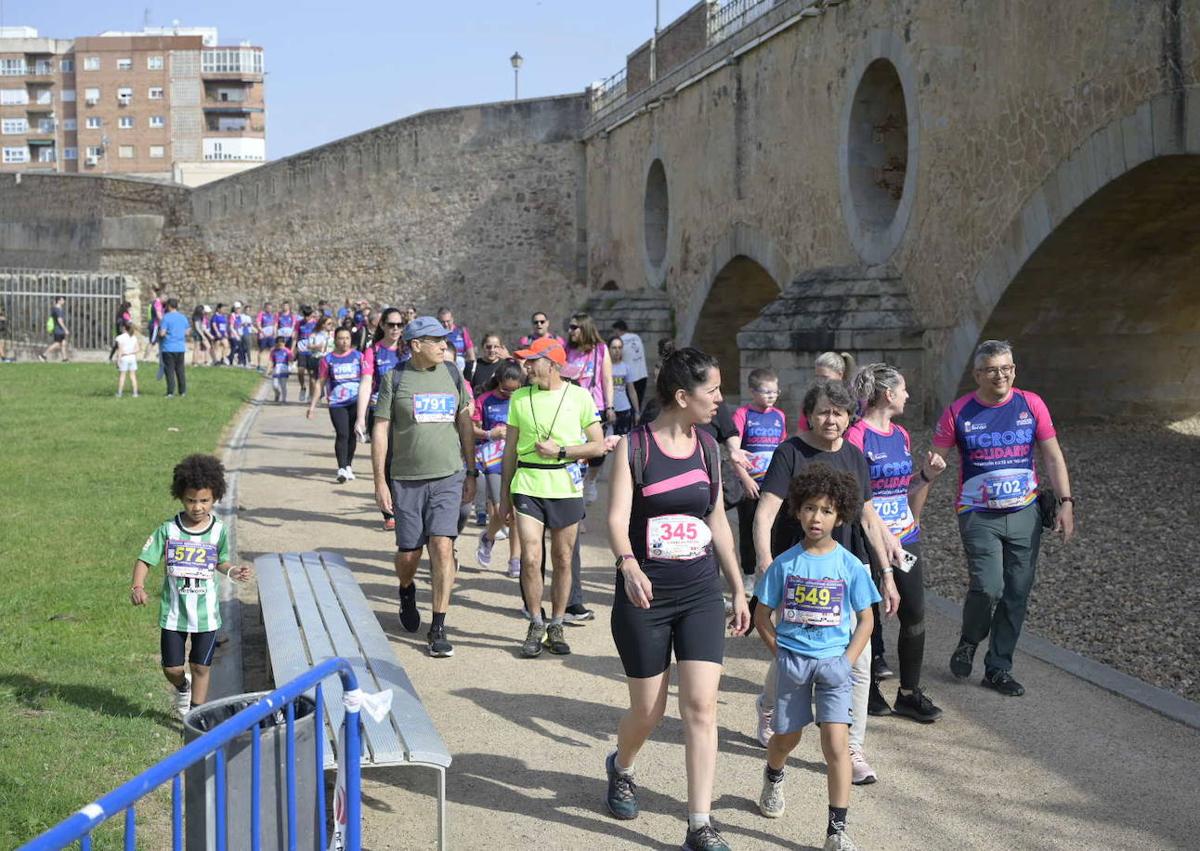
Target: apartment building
<point>165,103</point>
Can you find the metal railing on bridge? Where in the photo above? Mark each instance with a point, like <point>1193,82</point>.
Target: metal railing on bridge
<point>729,17</point>
<point>93,301</point>
<point>607,93</point>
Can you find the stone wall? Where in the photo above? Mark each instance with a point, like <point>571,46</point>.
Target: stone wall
<point>678,41</point>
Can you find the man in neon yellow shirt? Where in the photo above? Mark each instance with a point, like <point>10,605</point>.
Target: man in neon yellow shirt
<point>552,426</point>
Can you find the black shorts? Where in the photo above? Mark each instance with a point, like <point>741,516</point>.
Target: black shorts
<point>624,423</point>
<point>690,621</point>
<point>312,363</point>
<point>266,342</point>
<point>171,644</point>
<point>551,513</point>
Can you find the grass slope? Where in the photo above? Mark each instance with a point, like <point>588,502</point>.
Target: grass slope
<point>84,479</point>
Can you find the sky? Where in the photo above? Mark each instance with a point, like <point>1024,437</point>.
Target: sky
<point>337,69</point>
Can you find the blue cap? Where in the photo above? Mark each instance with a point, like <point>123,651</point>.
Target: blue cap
<point>424,326</point>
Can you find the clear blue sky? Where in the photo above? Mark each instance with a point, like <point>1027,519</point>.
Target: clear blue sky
<point>338,68</point>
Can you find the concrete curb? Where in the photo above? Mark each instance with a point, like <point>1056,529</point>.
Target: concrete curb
<point>1165,703</point>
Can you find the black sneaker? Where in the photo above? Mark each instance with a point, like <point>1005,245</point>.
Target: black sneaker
<point>439,646</point>
<point>1003,682</point>
<point>876,703</point>
<point>705,838</point>
<point>555,641</point>
<point>916,706</point>
<point>963,658</point>
<point>532,646</point>
<point>622,791</point>
<point>410,618</point>
<point>578,614</point>
<point>880,669</point>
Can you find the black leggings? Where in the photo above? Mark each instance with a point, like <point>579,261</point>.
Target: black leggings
<point>344,440</point>
<point>387,458</point>
<point>745,515</point>
<point>911,645</point>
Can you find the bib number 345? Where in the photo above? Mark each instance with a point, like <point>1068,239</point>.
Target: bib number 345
<point>677,537</point>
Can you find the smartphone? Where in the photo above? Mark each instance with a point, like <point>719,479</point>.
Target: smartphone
<point>907,561</point>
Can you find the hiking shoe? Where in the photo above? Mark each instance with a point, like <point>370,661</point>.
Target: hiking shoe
<point>532,646</point>
<point>916,706</point>
<point>483,552</point>
<point>838,842</point>
<point>880,669</point>
<point>389,524</point>
<point>410,618</point>
<point>861,772</point>
<point>439,646</point>
<point>514,568</point>
<point>770,800</point>
<point>1003,682</point>
<point>704,838</point>
<point>876,703</point>
<point>183,699</point>
<point>622,791</point>
<point>578,614</point>
<point>963,658</point>
<point>555,641</point>
<point>766,728</point>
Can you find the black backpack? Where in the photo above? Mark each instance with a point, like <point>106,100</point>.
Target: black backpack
<point>636,450</point>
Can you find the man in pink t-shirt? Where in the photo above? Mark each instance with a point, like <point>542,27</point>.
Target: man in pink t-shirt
<point>996,429</point>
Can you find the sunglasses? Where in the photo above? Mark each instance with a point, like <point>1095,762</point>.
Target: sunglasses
<point>395,324</point>
<point>572,327</point>
<point>541,322</point>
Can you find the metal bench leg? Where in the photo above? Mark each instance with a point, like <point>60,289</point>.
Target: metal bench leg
<point>441,808</point>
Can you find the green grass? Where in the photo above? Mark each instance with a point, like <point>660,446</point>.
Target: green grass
<point>84,478</point>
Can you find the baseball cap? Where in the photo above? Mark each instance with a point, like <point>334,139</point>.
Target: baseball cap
<point>544,347</point>
<point>424,326</point>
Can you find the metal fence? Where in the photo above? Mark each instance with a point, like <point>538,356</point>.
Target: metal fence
<point>607,93</point>
<point>93,301</point>
<point>732,15</point>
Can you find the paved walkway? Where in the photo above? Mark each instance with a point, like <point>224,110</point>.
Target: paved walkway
<point>1067,766</point>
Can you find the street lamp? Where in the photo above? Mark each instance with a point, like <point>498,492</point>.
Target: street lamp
<point>516,59</point>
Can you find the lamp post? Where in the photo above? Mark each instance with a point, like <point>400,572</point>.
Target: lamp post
<point>654,45</point>
<point>516,59</point>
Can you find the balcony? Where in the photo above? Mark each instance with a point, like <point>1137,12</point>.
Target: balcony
<point>229,108</point>
<point>251,130</point>
<point>232,62</point>
<point>40,69</point>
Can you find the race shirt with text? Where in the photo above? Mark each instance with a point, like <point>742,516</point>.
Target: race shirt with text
<point>190,598</point>
<point>280,361</point>
<point>266,323</point>
<point>762,432</point>
<point>889,459</point>
<point>287,324</point>
<point>378,361</point>
<point>460,338</point>
<point>491,410</point>
<point>343,372</point>
<point>306,330</point>
<point>219,325</point>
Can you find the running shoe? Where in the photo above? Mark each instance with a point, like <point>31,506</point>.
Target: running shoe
<point>770,800</point>
<point>349,474</point>
<point>622,791</point>
<point>389,524</point>
<point>590,493</point>
<point>861,773</point>
<point>483,552</point>
<point>880,669</point>
<point>341,475</point>
<point>963,658</point>
<point>410,618</point>
<point>480,518</point>
<point>748,584</point>
<point>135,395</point>
<point>705,838</point>
<point>766,716</point>
<point>502,535</point>
<point>276,392</point>
<point>876,703</point>
<point>183,699</point>
<point>578,614</point>
<point>532,646</point>
<point>916,706</point>
<point>838,842</point>
<point>514,568</point>
<point>42,358</point>
<point>439,646</point>
<point>555,641</point>
<point>1003,682</point>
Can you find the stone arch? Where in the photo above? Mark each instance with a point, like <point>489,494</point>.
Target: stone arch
<point>1085,268</point>
<point>657,237</point>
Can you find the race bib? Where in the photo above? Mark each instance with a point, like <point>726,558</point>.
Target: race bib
<point>268,330</point>
<point>190,559</point>
<point>813,602</point>
<point>677,537</point>
<point>1008,489</point>
<point>577,473</point>
<point>434,407</point>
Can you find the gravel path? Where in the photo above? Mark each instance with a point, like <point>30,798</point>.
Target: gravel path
<point>1126,590</point>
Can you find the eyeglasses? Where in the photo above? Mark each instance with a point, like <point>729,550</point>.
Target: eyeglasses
<point>572,327</point>
<point>541,322</point>
<point>994,371</point>
<point>394,324</point>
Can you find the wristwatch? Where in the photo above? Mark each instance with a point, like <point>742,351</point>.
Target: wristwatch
<point>1069,499</point>
<point>622,558</point>
<point>562,453</point>
<point>474,474</point>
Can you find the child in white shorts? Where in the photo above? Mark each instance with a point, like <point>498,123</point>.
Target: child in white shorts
<point>129,346</point>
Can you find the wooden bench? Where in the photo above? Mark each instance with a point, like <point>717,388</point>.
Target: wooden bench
<point>314,610</point>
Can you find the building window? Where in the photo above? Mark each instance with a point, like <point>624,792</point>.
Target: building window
<point>233,124</point>
<point>125,152</point>
<point>70,153</point>
<point>93,122</point>
<point>95,151</point>
<point>12,68</point>
<point>156,93</point>
<point>68,95</point>
<point>124,64</point>
<point>231,60</point>
<point>157,121</point>
<point>16,155</point>
<point>91,95</point>
<point>45,154</point>
<point>67,66</point>
<point>44,96</point>
<point>157,152</point>
<point>154,63</point>
<point>13,126</point>
<point>70,124</point>
<point>13,97</point>
<point>125,122</point>
<point>45,125</point>
<point>91,63</point>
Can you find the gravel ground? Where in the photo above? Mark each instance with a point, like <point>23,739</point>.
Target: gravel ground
<point>1126,590</point>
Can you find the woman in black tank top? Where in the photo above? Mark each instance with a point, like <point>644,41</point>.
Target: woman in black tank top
<point>668,540</point>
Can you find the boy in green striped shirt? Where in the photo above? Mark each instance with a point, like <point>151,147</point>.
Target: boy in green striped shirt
<point>193,546</point>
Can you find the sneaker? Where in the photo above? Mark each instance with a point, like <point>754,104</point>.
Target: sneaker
<point>704,838</point>
<point>622,791</point>
<point>42,358</point>
<point>439,646</point>
<point>502,535</point>
<point>555,641</point>
<point>916,706</point>
<point>349,474</point>
<point>135,395</point>
<point>963,658</point>
<point>838,842</point>
<point>770,800</point>
<point>483,552</point>
<point>341,475</point>
<point>410,618</point>
<point>880,669</point>
<point>119,395</point>
<point>183,699</point>
<point>170,395</point>
<point>389,524</point>
<point>532,646</point>
<point>590,493</point>
<point>578,614</point>
<point>876,703</point>
<point>861,773</point>
<point>766,728</point>
<point>514,568</point>
<point>480,518</point>
<point>1003,682</point>
<point>276,392</point>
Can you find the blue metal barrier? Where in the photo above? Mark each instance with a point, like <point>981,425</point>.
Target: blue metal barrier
<point>79,826</point>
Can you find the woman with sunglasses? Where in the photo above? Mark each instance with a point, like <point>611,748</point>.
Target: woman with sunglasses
<point>379,359</point>
<point>588,356</point>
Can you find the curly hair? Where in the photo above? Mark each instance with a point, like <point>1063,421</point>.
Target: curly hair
<point>196,472</point>
<point>821,480</point>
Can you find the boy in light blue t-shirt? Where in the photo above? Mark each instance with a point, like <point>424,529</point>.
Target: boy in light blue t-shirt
<point>808,593</point>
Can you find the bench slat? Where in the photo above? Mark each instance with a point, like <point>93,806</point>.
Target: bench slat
<point>421,739</point>
<point>319,646</point>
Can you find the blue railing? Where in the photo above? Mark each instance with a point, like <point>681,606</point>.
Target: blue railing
<point>79,826</point>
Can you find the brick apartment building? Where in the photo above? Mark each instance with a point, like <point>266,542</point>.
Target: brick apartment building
<point>166,103</point>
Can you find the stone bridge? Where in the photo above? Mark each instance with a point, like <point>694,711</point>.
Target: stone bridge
<point>897,180</point>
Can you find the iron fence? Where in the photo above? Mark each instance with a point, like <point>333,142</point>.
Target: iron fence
<point>732,15</point>
<point>608,93</point>
<point>93,301</point>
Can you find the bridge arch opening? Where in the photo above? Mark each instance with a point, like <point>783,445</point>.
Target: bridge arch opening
<point>740,290</point>
<point>656,214</point>
<point>1105,314</point>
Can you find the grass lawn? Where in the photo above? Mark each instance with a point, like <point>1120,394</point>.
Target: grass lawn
<point>85,477</point>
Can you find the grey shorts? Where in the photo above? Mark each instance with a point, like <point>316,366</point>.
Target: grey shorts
<point>425,508</point>
<point>551,513</point>
<point>802,681</point>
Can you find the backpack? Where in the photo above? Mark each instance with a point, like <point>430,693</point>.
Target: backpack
<point>636,450</point>
<point>450,366</point>
<point>50,324</point>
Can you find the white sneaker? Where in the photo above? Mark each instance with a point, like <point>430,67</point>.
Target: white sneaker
<point>839,842</point>
<point>183,699</point>
<point>341,475</point>
<point>770,800</point>
<point>766,728</point>
<point>514,569</point>
<point>502,535</point>
<point>349,474</point>
<point>861,773</point>
<point>483,552</point>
